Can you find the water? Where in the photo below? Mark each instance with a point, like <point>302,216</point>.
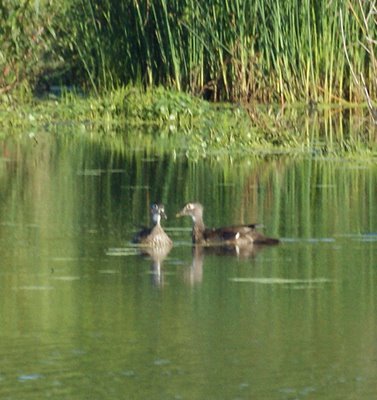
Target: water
<point>84,315</point>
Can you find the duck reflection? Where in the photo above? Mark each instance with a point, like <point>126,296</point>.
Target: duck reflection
<point>241,252</point>
<point>194,273</point>
<point>157,256</point>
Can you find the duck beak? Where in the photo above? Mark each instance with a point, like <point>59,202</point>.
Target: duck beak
<point>163,215</point>
<point>180,214</point>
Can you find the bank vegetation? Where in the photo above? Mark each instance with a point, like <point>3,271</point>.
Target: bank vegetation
<point>155,61</point>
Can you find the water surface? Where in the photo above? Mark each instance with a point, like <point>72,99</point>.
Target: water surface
<point>83,314</point>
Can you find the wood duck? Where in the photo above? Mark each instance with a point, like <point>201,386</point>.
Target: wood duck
<point>240,235</point>
<point>154,237</point>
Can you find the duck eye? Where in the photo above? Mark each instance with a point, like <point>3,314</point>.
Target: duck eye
<point>189,206</point>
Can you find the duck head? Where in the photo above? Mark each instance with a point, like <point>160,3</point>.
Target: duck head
<point>194,210</point>
<point>158,212</point>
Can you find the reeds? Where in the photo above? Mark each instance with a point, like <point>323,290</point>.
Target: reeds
<point>227,50</point>
<point>239,50</point>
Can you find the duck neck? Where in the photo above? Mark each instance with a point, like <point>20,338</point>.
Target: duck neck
<point>156,219</point>
<point>198,229</point>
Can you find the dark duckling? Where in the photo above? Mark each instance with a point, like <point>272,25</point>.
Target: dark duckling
<point>154,237</point>
<point>239,235</point>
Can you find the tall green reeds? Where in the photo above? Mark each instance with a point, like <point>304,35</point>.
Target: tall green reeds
<point>239,50</point>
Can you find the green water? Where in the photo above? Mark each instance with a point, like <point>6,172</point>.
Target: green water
<point>83,315</point>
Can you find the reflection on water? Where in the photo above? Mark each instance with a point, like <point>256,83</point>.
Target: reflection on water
<point>157,256</point>
<point>85,313</point>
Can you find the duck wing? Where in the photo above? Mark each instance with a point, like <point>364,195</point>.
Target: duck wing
<point>240,234</point>
<point>229,233</point>
<point>142,234</point>
<point>242,229</point>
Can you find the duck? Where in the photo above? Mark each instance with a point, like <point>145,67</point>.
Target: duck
<point>155,237</point>
<point>239,235</point>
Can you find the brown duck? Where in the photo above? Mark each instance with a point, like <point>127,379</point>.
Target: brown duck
<point>154,237</point>
<point>239,235</point>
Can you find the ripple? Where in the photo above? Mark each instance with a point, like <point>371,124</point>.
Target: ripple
<point>280,281</point>
<point>161,361</point>
<point>108,271</point>
<point>122,251</point>
<point>29,377</point>
<point>66,278</point>
<point>35,287</point>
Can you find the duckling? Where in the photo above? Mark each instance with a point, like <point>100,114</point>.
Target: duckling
<point>240,235</point>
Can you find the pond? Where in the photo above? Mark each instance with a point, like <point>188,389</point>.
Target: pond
<point>83,314</point>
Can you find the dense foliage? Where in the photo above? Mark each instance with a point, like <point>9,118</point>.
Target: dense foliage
<point>224,50</point>
<point>26,38</point>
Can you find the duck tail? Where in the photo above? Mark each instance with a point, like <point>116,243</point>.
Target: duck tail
<point>268,241</point>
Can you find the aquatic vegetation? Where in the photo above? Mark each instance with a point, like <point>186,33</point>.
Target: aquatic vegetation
<point>177,122</point>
